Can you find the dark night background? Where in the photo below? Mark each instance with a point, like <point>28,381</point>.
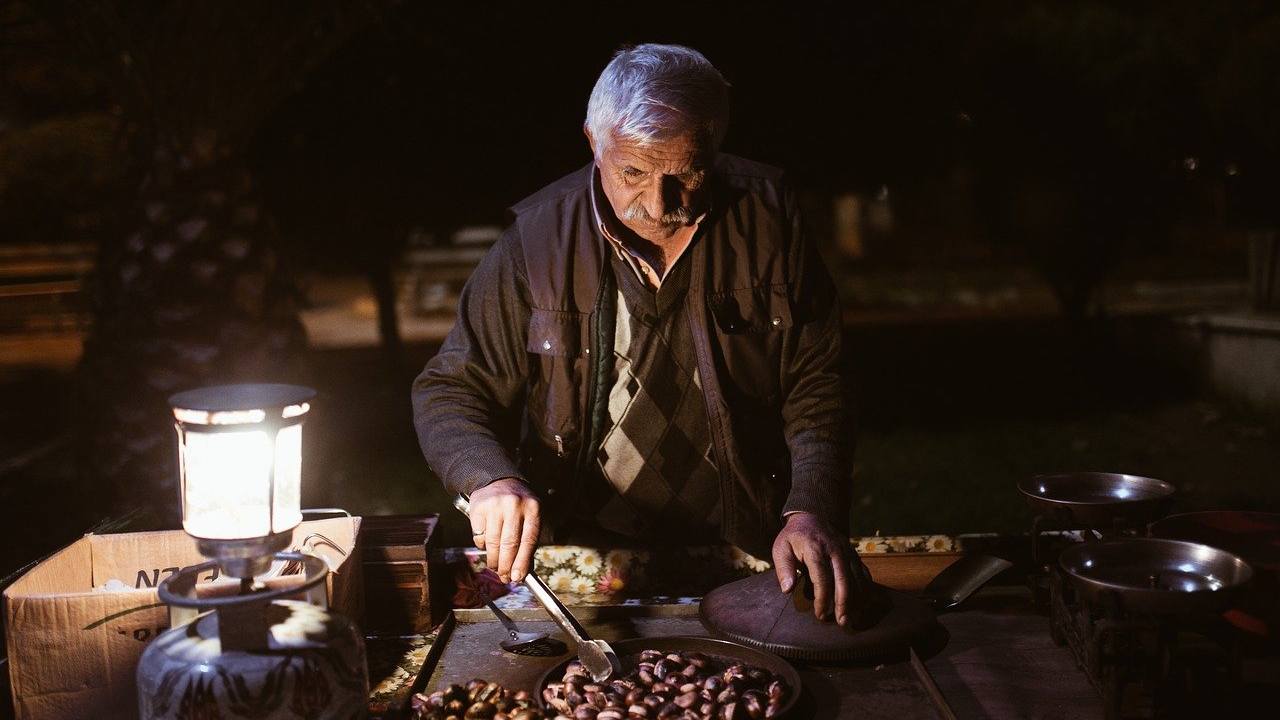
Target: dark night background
<point>1026,205</point>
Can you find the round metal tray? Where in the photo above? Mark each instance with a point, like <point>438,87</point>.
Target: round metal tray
<point>723,650</point>
<point>1159,576</point>
<point>1098,500</point>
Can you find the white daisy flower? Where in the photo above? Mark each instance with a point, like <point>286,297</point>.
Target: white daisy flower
<point>560,580</point>
<point>554,554</point>
<point>589,561</point>
<point>874,545</point>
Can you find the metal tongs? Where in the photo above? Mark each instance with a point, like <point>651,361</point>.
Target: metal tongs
<point>596,656</point>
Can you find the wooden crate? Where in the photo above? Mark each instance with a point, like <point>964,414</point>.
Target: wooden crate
<point>404,591</point>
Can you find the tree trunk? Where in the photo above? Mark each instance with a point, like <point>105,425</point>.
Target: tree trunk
<point>382,283</point>
<point>194,296</point>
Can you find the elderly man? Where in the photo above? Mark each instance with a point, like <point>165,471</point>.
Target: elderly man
<point>649,353</point>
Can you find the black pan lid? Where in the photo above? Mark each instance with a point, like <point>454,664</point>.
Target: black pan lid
<point>755,612</point>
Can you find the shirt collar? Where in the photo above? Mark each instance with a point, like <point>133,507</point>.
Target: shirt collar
<point>603,221</point>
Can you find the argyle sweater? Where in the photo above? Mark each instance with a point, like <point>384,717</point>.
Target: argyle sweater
<point>659,480</point>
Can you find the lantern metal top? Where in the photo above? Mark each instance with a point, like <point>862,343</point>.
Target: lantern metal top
<point>248,396</point>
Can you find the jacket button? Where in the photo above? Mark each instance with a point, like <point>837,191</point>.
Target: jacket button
<point>777,321</point>
<point>551,491</point>
<point>586,351</point>
<point>546,344</point>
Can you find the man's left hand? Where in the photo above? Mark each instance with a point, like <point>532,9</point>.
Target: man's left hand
<point>807,540</point>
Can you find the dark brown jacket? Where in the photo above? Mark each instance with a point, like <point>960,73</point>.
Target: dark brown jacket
<point>520,385</point>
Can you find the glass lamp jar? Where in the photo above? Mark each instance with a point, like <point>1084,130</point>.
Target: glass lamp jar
<point>240,463</point>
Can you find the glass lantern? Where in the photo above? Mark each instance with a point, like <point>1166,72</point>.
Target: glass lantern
<point>240,459</point>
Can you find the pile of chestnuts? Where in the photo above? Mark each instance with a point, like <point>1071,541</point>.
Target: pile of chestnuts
<point>663,686</point>
<point>671,686</point>
<point>478,700</point>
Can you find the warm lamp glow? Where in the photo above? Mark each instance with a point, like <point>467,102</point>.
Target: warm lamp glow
<point>240,455</point>
<point>228,485</point>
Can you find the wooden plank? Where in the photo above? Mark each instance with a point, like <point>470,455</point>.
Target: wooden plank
<point>1001,663</point>
<point>55,287</point>
<point>908,572</point>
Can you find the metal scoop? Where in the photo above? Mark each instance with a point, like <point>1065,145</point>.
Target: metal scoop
<point>961,579</point>
<point>599,660</point>
<point>533,644</point>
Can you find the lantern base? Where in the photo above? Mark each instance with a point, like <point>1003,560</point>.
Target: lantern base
<point>309,662</point>
<point>244,558</point>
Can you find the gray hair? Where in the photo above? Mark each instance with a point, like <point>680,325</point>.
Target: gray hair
<point>649,93</point>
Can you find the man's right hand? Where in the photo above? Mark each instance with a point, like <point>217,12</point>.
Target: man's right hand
<point>505,519</point>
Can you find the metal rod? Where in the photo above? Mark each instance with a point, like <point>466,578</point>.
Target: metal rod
<point>931,687</point>
<point>502,618</point>
<point>556,609</point>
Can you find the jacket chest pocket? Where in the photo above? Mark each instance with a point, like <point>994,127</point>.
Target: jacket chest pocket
<point>751,325</point>
<point>560,344</point>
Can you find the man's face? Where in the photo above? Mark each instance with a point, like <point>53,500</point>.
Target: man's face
<point>655,189</point>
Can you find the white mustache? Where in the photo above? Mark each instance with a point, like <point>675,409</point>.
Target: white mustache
<point>678,216</point>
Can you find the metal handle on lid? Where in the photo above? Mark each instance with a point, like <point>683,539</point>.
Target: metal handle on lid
<point>866,606</point>
<point>802,591</point>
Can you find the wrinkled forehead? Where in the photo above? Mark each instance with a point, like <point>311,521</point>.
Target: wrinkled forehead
<point>673,154</point>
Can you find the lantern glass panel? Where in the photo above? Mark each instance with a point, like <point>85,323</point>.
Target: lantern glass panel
<point>288,498</point>
<point>226,484</point>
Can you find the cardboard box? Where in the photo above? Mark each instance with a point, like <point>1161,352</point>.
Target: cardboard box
<point>403,592</point>
<point>73,649</point>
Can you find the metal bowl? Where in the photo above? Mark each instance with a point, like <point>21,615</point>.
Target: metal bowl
<point>1159,576</point>
<point>1098,500</point>
<point>1254,536</point>
<point>722,650</point>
